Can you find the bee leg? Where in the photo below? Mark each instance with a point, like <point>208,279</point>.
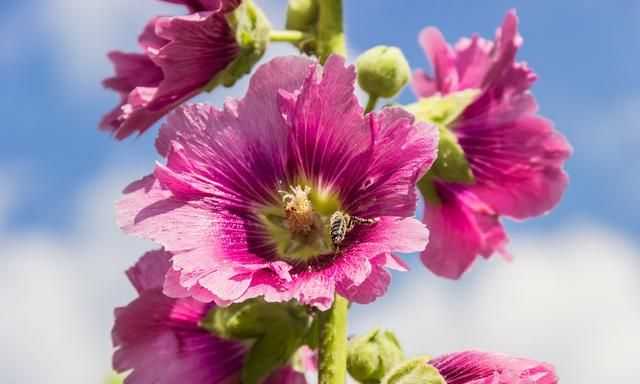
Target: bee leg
<point>363,221</point>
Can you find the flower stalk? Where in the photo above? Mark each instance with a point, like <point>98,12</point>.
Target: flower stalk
<point>332,359</point>
<point>330,30</point>
<point>371,104</point>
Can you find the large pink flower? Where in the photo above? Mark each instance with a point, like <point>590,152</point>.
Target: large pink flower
<point>158,338</point>
<point>515,155</point>
<point>182,55</point>
<point>480,367</point>
<point>246,198</point>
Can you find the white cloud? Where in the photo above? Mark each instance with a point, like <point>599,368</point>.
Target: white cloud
<point>59,291</point>
<point>570,298</point>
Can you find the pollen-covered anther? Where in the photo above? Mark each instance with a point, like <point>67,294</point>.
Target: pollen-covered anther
<point>298,209</point>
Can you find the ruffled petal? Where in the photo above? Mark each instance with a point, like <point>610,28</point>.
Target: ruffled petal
<point>474,63</point>
<point>239,150</point>
<point>480,367</point>
<point>462,227</point>
<point>442,59</point>
<point>372,287</point>
<point>402,152</point>
<point>149,39</point>
<point>148,273</point>
<point>200,46</point>
<point>399,234</point>
<point>330,141</point>
<point>517,164</point>
<point>371,162</point>
<point>160,340</point>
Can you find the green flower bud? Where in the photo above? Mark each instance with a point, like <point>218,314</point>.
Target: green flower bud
<point>302,15</point>
<point>414,371</point>
<point>382,71</point>
<point>251,28</point>
<point>373,355</point>
<point>278,330</point>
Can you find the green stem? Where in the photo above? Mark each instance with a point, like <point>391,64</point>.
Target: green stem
<point>330,29</point>
<point>287,36</point>
<point>371,104</point>
<point>332,359</point>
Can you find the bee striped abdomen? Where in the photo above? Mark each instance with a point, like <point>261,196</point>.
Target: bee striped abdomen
<point>338,226</point>
<point>341,223</point>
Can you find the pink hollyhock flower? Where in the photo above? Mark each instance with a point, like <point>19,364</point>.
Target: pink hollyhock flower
<point>249,193</point>
<point>183,56</point>
<point>515,156</point>
<point>158,338</point>
<point>480,367</point>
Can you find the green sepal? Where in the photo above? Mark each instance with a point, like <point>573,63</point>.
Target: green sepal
<point>116,378</point>
<point>271,351</point>
<point>442,110</point>
<point>428,188</point>
<point>452,164</point>
<point>414,371</point>
<point>371,356</point>
<point>278,329</point>
<point>251,28</point>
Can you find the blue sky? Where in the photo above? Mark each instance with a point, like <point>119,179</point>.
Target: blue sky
<point>585,53</point>
<point>59,177</point>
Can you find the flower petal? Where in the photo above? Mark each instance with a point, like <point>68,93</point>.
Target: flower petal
<point>461,227</point>
<point>200,46</point>
<point>400,234</point>
<point>402,152</point>
<point>480,367</point>
<point>149,272</point>
<point>159,338</point>
<point>517,164</point>
<point>374,286</point>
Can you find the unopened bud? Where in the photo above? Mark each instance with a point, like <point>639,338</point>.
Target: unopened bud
<point>371,356</point>
<point>302,15</point>
<point>382,71</point>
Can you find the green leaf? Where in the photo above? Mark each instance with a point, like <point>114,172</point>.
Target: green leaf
<point>277,331</point>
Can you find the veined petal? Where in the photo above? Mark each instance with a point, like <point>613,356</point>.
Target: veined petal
<point>200,46</point>
<point>403,151</point>
<point>462,227</point>
<point>481,367</point>
<point>517,164</point>
<point>148,273</point>
<point>183,54</point>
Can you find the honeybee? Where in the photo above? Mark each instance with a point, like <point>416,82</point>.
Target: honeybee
<point>340,223</point>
